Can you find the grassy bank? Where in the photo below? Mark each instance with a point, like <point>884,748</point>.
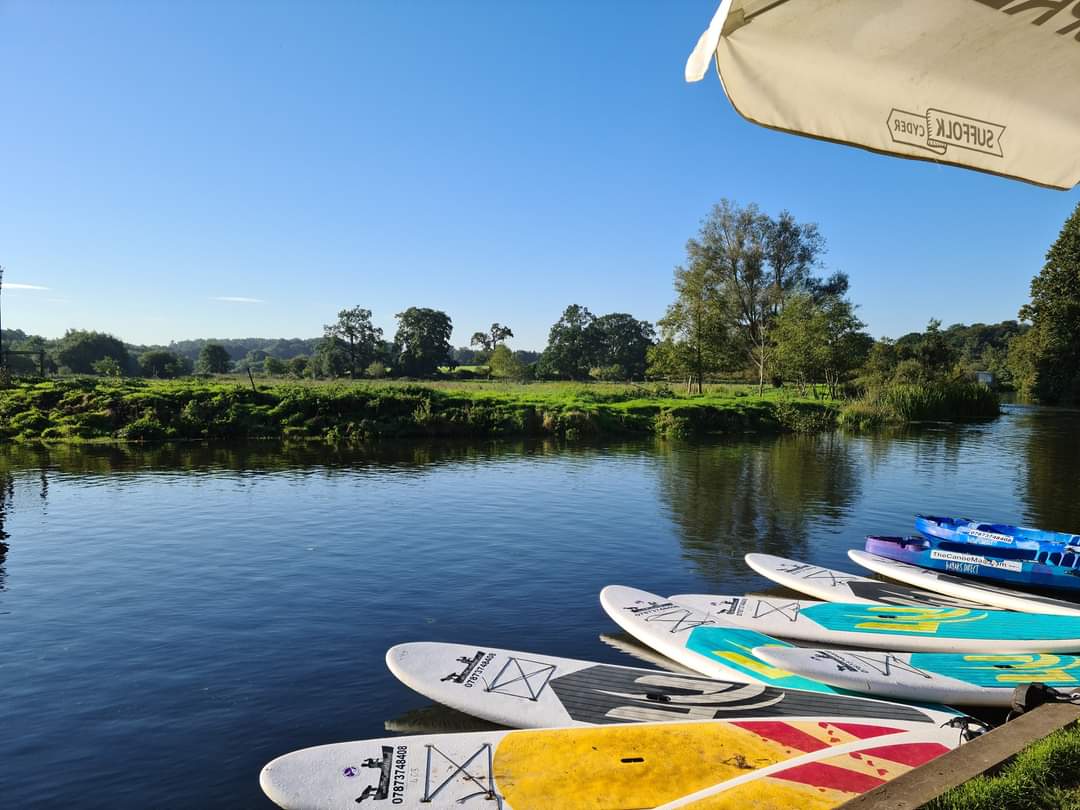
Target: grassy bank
<point>96,409</point>
<point>900,404</point>
<point>1045,776</point>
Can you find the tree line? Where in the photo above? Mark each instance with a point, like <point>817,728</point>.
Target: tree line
<point>751,302</point>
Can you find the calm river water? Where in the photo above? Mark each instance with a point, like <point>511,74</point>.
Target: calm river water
<point>172,618</point>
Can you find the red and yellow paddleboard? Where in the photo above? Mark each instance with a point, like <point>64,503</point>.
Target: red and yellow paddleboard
<point>614,767</point>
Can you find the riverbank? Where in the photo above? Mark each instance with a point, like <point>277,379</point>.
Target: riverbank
<point>94,409</point>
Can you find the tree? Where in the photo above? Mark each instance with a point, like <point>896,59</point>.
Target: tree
<point>213,359</point>
<point>570,348</point>
<point>693,330</point>
<point>800,335</point>
<point>1053,351</point>
<point>79,350</point>
<point>620,343</point>
<point>298,366</point>
<point>505,365</point>
<point>358,338</point>
<point>424,337</point>
<point>487,341</point>
<point>274,366</point>
<point>757,262</point>
<point>331,358</point>
<point>162,364</point>
<point>107,367</point>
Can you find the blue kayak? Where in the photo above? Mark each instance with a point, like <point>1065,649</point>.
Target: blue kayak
<point>1003,565</point>
<point>962,530</point>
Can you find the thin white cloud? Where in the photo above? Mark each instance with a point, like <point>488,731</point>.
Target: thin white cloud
<point>237,299</point>
<point>14,285</point>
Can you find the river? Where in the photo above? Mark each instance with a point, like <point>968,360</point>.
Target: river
<point>171,618</point>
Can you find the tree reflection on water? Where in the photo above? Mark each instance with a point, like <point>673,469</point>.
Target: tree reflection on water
<point>732,498</point>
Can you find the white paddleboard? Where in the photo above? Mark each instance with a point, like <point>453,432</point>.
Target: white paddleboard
<point>968,680</point>
<point>892,627</point>
<point>1004,598</point>
<point>613,767</point>
<point>831,585</point>
<point>529,690</point>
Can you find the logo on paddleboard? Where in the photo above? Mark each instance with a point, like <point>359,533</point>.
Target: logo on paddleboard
<point>937,130</point>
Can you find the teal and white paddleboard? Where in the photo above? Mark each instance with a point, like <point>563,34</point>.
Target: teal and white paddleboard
<point>698,641</point>
<point>831,585</point>
<point>891,627</point>
<point>963,680</point>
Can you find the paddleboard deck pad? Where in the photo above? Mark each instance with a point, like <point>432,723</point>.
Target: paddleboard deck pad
<point>831,585</point>
<point>967,680</point>
<point>995,595</point>
<point>528,690</point>
<point>891,627</point>
<point>614,767</point>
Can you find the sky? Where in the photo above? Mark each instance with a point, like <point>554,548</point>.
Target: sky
<point>247,169</point>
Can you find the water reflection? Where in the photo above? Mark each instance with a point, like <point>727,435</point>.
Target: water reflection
<point>7,494</point>
<point>1051,450</point>
<point>274,456</point>
<point>733,498</point>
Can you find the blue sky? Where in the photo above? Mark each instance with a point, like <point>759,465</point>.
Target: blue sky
<point>497,160</point>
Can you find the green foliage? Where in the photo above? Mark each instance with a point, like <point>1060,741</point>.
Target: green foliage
<point>354,338</point>
<point>423,336</point>
<point>274,366</point>
<point>902,402</point>
<point>163,365</point>
<point>487,341</point>
<point>376,370</point>
<point>107,367</point>
<point>127,409</point>
<point>1044,776</point>
<point>619,342</point>
<point>1049,362</point>
<point>213,359</point>
<point>569,352</point>
<point>77,351</point>
<point>504,365</point>
<point>298,366</point>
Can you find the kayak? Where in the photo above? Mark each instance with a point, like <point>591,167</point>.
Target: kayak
<point>976,532</point>
<point>1026,568</point>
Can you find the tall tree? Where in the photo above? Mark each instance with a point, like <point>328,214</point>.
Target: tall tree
<point>1054,311</point>
<point>213,359</point>
<point>424,338</point>
<point>79,350</point>
<point>694,337</point>
<point>621,343</point>
<point>354,334</point>
<point>758,262</point>
<point>570,349</point>
<point>487,341</point>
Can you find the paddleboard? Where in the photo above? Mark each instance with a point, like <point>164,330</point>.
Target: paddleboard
<point>528,690</point>
<point>995,595</point>
<point>615,767</point>
<point>891,627</point>
<point>1000,565</point>
<point>697,640</point>
<point>985,533</point>
<point>967,680</point>
<point>831,585</point>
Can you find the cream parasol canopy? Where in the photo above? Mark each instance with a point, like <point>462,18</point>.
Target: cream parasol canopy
<point>991,85</point>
